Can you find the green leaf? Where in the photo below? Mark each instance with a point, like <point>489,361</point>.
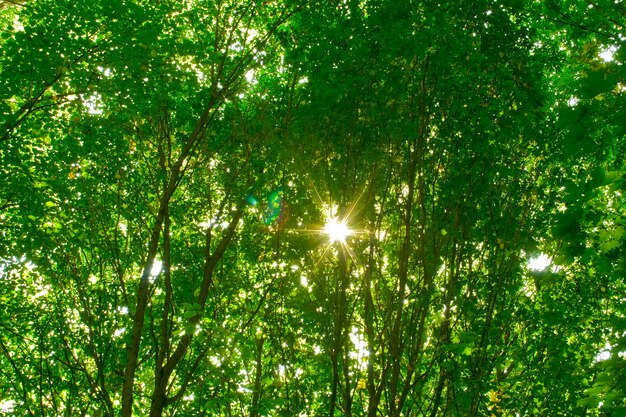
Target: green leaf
<point>191,313</point>
<point>596,83</point>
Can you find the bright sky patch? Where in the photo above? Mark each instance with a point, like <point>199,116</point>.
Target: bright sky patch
<point>539,263</point>
<point>606,54</point>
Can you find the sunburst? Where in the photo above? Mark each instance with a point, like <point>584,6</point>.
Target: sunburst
<point>336,230</point>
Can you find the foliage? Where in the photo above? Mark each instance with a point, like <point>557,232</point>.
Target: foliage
<point>166,169</point>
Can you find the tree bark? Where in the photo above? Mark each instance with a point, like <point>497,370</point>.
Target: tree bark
<point>258,377</point>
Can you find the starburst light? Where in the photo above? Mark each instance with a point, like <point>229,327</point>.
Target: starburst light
<point>337,230</point>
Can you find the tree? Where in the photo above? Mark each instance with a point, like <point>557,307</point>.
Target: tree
<point>168,170</point>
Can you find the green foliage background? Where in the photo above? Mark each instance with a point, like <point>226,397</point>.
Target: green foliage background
<point>456,140</point>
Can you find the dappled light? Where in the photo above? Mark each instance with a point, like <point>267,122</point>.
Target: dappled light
<point>312,208</point>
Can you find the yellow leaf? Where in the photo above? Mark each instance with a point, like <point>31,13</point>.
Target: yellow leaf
<point>361,384</point>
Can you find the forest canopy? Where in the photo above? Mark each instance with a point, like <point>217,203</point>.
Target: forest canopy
<point>312,208</point>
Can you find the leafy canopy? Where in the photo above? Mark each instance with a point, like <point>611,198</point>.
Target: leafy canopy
<point>279,208</point>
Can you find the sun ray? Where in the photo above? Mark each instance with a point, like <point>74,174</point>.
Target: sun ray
<point>323,254</point>
<point>354,205</point>
<point>317,194</point>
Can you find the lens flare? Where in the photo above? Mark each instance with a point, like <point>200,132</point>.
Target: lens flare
<point>277,209</point>
<point>251,200</point>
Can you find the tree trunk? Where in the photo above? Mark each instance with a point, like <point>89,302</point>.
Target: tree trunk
<point>258,377</point>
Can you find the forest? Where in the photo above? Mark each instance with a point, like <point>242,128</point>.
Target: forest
<point>355,208</point>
